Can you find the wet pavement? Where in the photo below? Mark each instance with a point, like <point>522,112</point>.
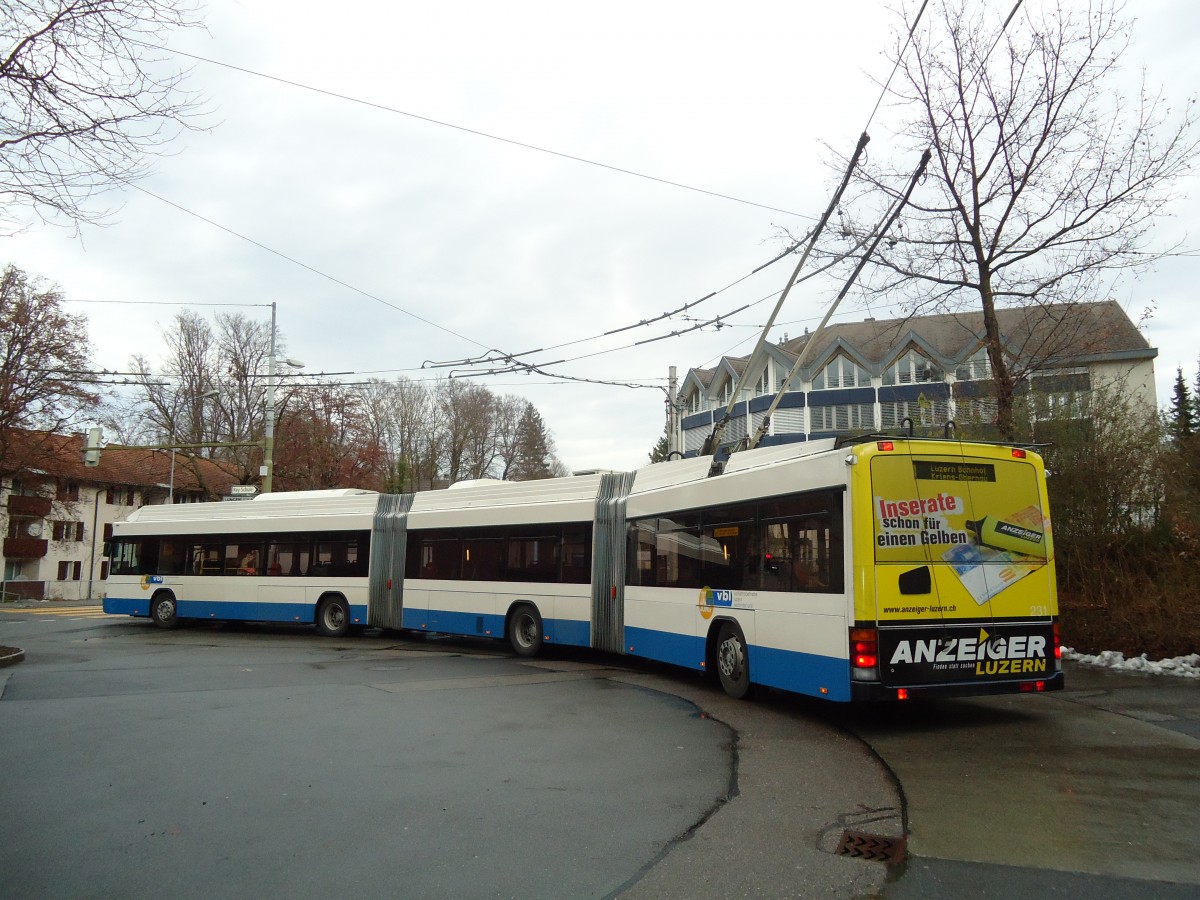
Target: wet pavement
<point>1092,791</point>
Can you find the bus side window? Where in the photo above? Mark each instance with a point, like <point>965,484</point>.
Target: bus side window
<point>125,557</point>
<point>170,557</point>
<point>577,552</point>
<point>640,556</point>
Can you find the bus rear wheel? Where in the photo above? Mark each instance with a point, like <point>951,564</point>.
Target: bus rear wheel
<point>163,610</point>
<point>333,617</point>
<point>733,661</point>
<point>525,631</point>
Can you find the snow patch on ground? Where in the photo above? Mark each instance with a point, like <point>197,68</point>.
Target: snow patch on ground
<point>1182,666</point>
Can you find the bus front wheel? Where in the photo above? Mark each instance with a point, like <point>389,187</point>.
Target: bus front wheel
<point>525,631</point>
<point>333,617</point>
<point>733,662</point>
<point>163,610</point>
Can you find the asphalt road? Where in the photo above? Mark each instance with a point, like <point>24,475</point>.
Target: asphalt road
<point>249,761</point>
<point>245,760</point>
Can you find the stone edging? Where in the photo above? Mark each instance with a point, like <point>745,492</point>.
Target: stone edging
<point>10,656</point>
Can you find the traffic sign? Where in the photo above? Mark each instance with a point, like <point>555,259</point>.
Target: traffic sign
<point>243,490</point>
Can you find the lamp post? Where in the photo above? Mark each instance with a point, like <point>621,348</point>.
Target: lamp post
<point>268,467</point>
<point>207,395</point>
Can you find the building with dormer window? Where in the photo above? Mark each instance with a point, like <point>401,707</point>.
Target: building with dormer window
<point>874,374</point>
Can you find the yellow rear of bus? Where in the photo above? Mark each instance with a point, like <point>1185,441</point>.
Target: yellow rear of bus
<point>953,567</point>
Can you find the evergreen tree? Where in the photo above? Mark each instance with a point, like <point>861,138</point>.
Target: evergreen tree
<point>1181,417</point>
<point>1196,391</point>
<point>535,448</point>
<point>659,453</point>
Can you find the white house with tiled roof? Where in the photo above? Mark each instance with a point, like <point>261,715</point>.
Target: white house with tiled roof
<point>873,374</point>
<point>56,512</point>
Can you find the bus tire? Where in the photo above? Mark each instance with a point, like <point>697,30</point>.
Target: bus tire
<point>525,630</point>
<point>333,616</point>
<point>164,611</point>
<point>733,661</point>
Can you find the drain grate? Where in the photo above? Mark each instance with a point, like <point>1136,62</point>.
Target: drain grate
<point>875,847</point>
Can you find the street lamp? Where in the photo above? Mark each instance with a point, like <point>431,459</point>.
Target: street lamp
<point>207,395</point>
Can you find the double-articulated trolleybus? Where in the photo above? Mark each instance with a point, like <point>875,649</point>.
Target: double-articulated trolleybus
<point>880,568</point>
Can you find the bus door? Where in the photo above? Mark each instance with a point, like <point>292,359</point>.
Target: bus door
<point>963,586</point>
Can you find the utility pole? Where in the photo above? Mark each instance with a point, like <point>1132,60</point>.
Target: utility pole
<point>268,465</point>
<point>673,418</point>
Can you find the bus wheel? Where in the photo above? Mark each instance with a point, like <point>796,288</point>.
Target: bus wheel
<point>163,610</point>
<point>525,631</point>
<point>333,617</point>
<point>733,662</point>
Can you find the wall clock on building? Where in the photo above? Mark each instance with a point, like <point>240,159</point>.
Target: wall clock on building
<point>34,529</point>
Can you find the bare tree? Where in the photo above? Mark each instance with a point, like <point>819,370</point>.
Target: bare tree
<point>242,350</point>
<point>86,96</point>
<point>210,389</point>
<point>44,352</point>
<point>469,443</point>
<point>1046,179</point>
<point>326,441</point>
<point>507,412</point>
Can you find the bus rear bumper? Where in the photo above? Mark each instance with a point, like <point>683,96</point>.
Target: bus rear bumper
<point>873,692</point>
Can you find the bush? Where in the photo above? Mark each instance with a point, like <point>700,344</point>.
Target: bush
<point>1124,503</point>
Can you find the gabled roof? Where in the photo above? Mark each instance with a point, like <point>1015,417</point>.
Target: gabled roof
<point>1034,335</point>
<point>61,456</point>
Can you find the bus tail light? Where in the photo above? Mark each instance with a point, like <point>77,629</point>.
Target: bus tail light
<point>1018,453</point>
<point>1057,650</point>
<point>864,654</point>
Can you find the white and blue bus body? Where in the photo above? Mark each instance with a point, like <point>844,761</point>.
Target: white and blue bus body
<point>872,570</point>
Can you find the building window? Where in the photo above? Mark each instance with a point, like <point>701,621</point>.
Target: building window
<point>67,491</point>
<point>692,403</point>
<point>764,382</point>
<point>841,372</point>
<point>975,368</point>
<point>68,531</point>
<point>1059,405</point>
<point>70,571</point>
<point>843,418</point>
<point>104,570</point>
<point>922,412</point>
<point>913,368</point>
<point>976,410</point>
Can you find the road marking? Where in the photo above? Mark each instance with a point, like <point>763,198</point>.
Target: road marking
<point>89,612</point>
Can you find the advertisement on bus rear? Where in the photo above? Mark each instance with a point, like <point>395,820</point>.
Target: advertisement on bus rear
<point>957,654</point>
<point>956,537</point>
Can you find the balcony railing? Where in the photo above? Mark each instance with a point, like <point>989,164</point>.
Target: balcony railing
<point>23,590</point>
<point>25,548</point>
<point>23,505</point>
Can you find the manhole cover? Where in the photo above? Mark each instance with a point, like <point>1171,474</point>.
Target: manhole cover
<point>874,847</point>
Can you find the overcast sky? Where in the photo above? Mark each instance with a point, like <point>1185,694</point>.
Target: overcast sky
<point>449,243</point>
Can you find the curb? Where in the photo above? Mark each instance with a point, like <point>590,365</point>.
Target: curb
<point>10,656</point>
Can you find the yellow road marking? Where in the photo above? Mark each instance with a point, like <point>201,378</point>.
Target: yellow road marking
<point>59,611</point>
